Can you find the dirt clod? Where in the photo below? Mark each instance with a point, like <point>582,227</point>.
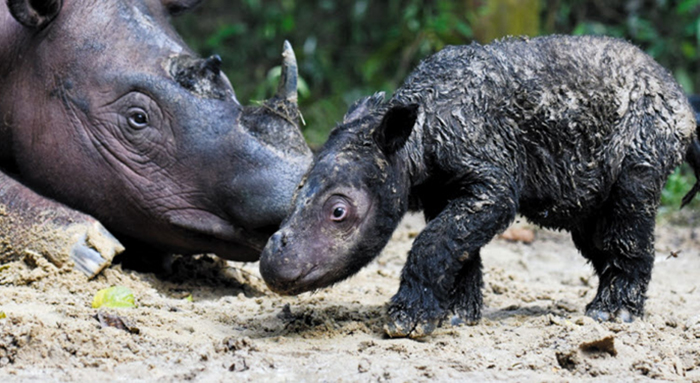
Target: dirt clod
<point>604,345</point>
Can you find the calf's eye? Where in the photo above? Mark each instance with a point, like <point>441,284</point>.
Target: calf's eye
<point>339,213</point>
<point>338,209</point>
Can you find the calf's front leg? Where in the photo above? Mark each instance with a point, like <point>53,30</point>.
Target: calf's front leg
<point>443,269</point>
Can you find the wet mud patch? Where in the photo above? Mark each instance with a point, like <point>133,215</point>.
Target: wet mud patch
<point>211,320</point>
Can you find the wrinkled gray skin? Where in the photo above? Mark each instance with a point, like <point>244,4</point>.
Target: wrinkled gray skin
<point>106,113</point>
<point>574,133</point>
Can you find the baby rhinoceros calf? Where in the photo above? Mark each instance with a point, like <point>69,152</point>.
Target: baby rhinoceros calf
<point>574,133</point>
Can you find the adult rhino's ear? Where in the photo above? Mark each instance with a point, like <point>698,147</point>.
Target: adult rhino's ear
<point>396,127</point>
<point>178,7</point>
<point>34,13</point>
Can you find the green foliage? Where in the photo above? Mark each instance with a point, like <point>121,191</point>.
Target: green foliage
<point>346,49</point>
<point>351,48</point>
<point>677,185</point>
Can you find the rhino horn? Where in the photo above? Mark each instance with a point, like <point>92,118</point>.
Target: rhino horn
<point>287,88</point>
<point>34,13</point>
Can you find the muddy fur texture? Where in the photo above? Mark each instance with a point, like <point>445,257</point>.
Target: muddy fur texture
<point>574,133</point>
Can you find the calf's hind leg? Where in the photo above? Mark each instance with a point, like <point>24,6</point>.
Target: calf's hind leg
<point>619,242</point>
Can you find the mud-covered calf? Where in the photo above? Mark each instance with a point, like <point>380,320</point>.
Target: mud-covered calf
<point>574,133</point>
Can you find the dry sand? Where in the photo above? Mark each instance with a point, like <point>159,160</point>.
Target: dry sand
<point>234,329</point>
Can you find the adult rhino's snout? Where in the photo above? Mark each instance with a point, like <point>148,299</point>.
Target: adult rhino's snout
<point>263,197</point>
<point>277,157</point>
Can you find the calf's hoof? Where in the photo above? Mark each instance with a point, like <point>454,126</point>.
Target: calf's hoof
<point>404,325</point>
<point>602,315</point>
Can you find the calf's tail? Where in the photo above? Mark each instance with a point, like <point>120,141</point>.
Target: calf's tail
<point>692,155</point>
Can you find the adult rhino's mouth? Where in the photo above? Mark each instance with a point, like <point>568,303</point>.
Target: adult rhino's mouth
<point>207,232</point>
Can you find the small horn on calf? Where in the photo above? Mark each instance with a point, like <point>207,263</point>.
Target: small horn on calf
<point>287,88</point>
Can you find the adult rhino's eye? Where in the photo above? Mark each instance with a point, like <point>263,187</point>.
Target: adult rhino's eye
<point>138,118</point>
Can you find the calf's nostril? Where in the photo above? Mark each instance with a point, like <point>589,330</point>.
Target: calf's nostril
<point>279,241</point>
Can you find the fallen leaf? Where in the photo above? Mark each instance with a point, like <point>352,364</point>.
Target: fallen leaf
<point>114,297</point>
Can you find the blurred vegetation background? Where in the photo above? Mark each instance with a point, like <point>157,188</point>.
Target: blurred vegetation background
<point>350,48</point>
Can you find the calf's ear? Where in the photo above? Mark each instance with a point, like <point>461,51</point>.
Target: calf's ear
<point>178,7</point>
<point>397,124</point>
<point>34,13</point>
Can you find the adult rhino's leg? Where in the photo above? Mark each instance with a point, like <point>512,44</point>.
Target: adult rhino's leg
<point>32,224</point>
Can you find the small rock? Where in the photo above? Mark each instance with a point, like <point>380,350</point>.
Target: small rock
<point>113,320</point>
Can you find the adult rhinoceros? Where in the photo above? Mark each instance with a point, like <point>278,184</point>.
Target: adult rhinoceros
<point>106,113</point>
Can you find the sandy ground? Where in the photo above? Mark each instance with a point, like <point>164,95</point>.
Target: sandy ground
<point>234,329</point>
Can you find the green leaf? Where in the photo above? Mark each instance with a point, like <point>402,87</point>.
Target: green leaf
<point>114,297</point>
